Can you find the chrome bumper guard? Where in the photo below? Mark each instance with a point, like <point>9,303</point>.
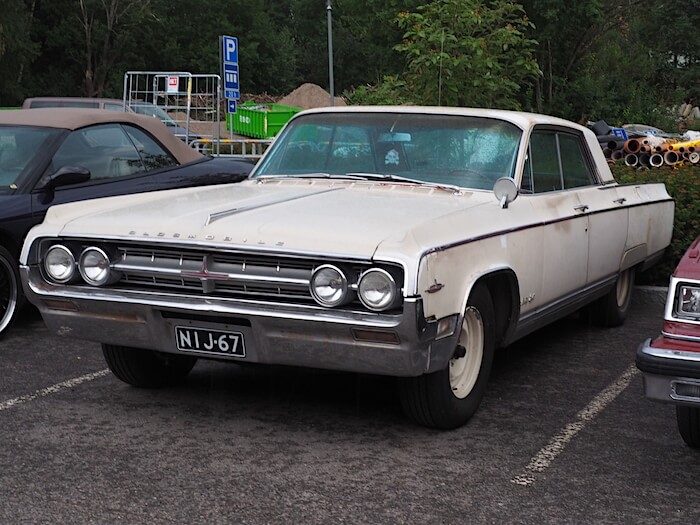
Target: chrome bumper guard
<point>670,376</point>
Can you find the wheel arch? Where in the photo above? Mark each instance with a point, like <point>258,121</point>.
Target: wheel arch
<point>8,242</point>
<point>503,288</point>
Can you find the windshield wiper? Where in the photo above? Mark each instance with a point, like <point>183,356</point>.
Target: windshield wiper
<point>313,176</point>
<point>399,178</point>
<point>382,176</point>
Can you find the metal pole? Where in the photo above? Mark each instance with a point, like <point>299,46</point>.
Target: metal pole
<point>329,11</point>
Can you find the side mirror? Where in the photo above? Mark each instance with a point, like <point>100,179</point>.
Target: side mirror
<point>505,191</point>
<point>68,175</point>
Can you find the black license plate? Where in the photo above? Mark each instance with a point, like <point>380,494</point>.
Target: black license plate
<point>207,341</point>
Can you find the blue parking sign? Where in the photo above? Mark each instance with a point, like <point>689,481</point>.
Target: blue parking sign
<point>230,49</point>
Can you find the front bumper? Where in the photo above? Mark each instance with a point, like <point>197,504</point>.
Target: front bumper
<point>402,344</point>
<point>671,370</point>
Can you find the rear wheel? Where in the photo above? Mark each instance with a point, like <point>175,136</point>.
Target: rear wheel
<point>688,419</point>
<point>612,309</point>
<point>10,292</point>
<point>447,398</point>
<point>147,368</point>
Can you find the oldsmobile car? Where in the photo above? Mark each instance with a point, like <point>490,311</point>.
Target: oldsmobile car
<point>403,241</point>
<point>56,155</point>
<point>671,362</point>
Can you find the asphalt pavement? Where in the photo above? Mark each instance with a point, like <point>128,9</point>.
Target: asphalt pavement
<point>564,435</point>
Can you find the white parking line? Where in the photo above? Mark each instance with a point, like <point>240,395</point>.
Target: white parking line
<point>70,383</point>
<point>544,458</point>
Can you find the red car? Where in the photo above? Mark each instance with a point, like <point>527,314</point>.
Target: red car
<point>671,362</point>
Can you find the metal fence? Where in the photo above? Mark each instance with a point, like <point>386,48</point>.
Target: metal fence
<point>191,105</point>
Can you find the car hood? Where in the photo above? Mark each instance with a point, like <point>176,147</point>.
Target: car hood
<point>310,216</point>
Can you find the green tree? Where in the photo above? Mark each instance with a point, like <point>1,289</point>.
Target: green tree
<point>103,27</point>
<point>585,50</point>
<point>468,53</point>
<point>364,34</point>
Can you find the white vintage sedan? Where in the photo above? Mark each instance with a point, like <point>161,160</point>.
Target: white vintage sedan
<point>404,241</point>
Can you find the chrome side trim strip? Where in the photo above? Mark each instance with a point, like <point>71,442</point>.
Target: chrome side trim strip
<point>680,337</point>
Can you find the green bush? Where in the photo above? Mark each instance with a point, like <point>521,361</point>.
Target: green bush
<point>683,184</point>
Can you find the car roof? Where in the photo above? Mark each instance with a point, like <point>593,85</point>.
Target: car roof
<point>521,119</point>
<point>76,118</point>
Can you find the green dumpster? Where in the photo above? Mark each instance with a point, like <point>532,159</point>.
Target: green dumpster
<point>261,121</point>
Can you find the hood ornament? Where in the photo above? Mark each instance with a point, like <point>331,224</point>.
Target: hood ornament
<point>207,278</point>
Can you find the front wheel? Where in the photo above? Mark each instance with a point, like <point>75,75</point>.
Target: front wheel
<point>147,368</point>
<point>10,291</point>
<point>688,419</point>
<point>448,398</point>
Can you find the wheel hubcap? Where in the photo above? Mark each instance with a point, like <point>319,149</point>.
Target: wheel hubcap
<point>464,370</point>
<point>623,287</point>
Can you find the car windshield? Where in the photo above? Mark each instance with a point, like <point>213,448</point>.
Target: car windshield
<point>463,151</point>
<point>19,146</point>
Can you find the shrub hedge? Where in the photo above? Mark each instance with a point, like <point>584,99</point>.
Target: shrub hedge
<point>683,184</point>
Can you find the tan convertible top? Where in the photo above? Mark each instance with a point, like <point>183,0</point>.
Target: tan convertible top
<point>76,118</point>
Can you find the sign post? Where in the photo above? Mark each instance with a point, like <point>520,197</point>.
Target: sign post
<point>229,71</point>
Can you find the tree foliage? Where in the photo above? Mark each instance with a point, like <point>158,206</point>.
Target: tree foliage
<point>468,53</point>
<point>621,60</point>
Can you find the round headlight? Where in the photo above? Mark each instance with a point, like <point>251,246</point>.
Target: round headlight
<point>377,289</point>
<point>94,266</point>
<point>59,264</point>
<point>329,286</point>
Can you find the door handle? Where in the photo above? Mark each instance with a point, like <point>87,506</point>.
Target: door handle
<point>581,207</point>
<point>621,200</point>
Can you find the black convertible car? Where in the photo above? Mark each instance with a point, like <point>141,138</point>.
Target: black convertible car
<point>52,156</point>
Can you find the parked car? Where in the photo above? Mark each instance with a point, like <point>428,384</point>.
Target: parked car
<point>671,362</point>
<point>73,102</point>
<point>52,156</point>
<point>383,240</point>
<point>144,108</point>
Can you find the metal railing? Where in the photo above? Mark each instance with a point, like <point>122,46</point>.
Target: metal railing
<point>234,147</point>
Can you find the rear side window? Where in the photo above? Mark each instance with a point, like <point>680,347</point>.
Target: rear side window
<point>114,107</point>
<point>62,104</point>
<point>556,161</point>
<point>154,157</point>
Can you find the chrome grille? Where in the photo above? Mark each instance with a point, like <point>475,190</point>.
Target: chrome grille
<point>220,274</point>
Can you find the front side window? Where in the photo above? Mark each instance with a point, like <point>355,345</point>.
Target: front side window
<point>470,152</point>
<point>111,151</point>
<point>19,147</point>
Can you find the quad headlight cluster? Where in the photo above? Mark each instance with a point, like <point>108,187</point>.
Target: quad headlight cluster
<point>93,265</point>
<point>376,288</point>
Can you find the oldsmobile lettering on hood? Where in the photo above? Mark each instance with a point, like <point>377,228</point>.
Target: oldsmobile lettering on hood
<point>404,241</point>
